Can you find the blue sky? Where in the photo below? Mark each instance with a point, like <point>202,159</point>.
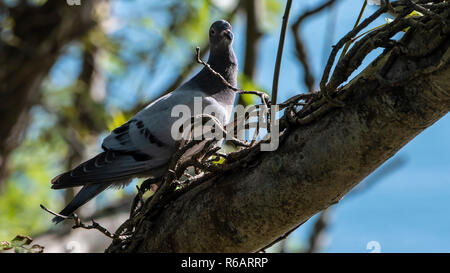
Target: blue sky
<point>405,211</point>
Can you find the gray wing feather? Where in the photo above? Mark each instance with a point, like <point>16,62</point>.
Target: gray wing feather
<point>149,131</point>
<point>147,136</point>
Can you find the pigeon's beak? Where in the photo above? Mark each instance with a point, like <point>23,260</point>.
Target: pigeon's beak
<point>228,34</point>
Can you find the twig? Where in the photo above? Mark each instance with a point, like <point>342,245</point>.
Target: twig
<point>80,224</point>
<point>308,77</point>
<point>296,98</point>
<point>276,73</point>
<point>378,38</point>
<point>94,225</point>
<point>323,83</point>
<point>428,12</point>
<point>264,97</point>
<point>347,45</point>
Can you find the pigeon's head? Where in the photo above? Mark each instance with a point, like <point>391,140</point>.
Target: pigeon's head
<point>220,34</point>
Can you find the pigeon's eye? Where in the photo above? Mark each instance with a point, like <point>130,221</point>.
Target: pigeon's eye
<point>212,32</point>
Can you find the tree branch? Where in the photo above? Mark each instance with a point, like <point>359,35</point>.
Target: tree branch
<point>245,209</point>
<point>276,73</point>
<point>302,56</point>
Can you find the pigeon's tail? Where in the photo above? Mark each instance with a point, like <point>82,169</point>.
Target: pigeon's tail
<point>95,175</point>
<point>83,196</point>
<point>107,167</point>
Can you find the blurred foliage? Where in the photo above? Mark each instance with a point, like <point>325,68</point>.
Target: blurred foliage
<point>21,244</point>
<point>34,163</point>
<point>271,13</point>
<point>248,84</point>
<point>118,118</point>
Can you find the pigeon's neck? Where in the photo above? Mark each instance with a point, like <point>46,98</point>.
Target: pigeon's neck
<point>224,62</point>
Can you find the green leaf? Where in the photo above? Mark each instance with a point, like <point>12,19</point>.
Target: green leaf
<point>220,161</point>
<point>414,13</point>
<point>21,240</point>
<point>37,249</point>
<point>20,243</point>
<point>271,10</point>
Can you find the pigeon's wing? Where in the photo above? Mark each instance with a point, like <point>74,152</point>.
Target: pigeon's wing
<point>140,145</point>
<point>148,135</point>
<point>145,135</point>
<point>136,147</point>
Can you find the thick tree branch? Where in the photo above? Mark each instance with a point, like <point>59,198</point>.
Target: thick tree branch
<point>395,98</point>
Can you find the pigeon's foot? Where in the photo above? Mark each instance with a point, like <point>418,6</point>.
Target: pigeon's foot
<point>154,187</point>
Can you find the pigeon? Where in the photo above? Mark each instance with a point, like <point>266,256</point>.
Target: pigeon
<point>143,146</point>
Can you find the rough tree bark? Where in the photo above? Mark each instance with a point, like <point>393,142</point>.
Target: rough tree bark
<point>317,164</point>
<point>41,33</point>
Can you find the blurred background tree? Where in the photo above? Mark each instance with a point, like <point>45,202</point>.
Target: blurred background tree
<point>69,74</point>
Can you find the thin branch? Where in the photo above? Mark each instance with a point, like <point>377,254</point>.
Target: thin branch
<point>276,74</point>
<point>428,12</point>
<point>264,97</point>
<point>347,45</point>
<point>337,47</point>
<point>80,224</point>
<point>299,45</point>
<point>294,100</point>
